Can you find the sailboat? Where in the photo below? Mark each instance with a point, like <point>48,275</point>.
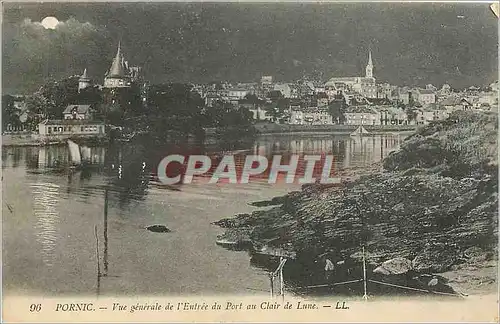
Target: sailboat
<point>75,154</point>
<point>360,131</point>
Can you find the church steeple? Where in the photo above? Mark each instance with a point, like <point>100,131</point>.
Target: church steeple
<point>369,66</point>
<point>117,68</point>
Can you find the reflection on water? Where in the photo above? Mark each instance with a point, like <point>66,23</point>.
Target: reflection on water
<point>53,234</point>
<point>349,151</point>
<point>45,201</point>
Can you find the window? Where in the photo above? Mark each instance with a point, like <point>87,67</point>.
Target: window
<point>81,129</point>
<point>49,129</point>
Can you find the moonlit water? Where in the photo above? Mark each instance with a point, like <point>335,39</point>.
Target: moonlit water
<point>49,216</point>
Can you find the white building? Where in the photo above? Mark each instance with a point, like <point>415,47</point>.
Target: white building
<point>237,93</point>
<point>78,112</point>
<point>260,114</point>
<point>429,114</point>
<point>284,88</point>
<point>66,128</point>
<point>362,115</point>
<point>311,116</point>
<point>425,96</point>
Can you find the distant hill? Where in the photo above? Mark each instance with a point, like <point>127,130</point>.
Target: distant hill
<point>412,44</point>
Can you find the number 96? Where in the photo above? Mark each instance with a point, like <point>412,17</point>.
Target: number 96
<point>35,307</point>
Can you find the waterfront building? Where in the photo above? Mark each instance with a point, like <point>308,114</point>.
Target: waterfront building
<point>260,114</point>
<point>430,113</point>
<point>390,115</point>
<point>359,115</point>
<point>310,116</point>
<point>66,128</point>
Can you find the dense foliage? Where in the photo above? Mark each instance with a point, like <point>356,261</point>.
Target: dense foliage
<point>158,110</point>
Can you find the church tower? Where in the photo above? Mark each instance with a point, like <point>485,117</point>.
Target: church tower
<point>369,66</point>
<point>84,81</point>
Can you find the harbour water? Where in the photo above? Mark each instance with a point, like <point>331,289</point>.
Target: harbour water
<point>50,215</point>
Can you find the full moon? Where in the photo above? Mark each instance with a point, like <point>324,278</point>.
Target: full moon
<point>50,22</point>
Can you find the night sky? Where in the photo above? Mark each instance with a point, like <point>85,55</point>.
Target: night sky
<point>412,44</point>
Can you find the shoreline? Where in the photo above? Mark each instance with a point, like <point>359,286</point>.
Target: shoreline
<point>289,129</point>
<point>32,140</point>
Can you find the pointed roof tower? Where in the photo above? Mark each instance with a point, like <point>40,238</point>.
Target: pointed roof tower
<point>84,76</point>
<point>117,69</point>
<point>369,66</point>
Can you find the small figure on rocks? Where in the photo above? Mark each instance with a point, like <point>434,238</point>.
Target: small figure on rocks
<point>329,269</point>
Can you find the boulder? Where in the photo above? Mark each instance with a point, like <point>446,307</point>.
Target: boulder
<point>394,266</point>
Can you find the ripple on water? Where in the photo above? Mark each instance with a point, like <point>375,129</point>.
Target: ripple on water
<point>45,201</point>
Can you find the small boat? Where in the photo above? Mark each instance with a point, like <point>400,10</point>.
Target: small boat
<point>75,154</point>
<point>360,131</point>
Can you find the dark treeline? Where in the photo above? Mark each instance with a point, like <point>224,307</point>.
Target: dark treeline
<point>157,109</point>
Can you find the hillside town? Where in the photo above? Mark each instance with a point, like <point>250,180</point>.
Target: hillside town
<point>352,100</point>
<point>356,100</point>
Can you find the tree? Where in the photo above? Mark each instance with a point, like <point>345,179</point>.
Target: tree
<point>59,95</point>
<point>9,112</point>
<point>176,107</point>
<point>90,96</point>
<point>337,108</point>
<point>411,112</point>
<point>275,95</point>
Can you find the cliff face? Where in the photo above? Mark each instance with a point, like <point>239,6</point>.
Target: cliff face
<point>434,203</point>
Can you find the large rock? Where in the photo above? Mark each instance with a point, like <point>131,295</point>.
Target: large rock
<point>430,217</point>
<point>394,266</point>
<point>436,258</point>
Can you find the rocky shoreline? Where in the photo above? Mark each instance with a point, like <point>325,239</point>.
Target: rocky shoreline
<point>433,202</point>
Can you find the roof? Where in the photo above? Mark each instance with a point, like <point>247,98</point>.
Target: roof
<point>392,110</point>
<point>453,101</point>
<point>71,122</point>
<point>335,80</point>
<point>425,91</point>
<point>80,109</point>
<point>315,110</point>
<point>379,101</point>
<point>342,79</point>
<point>361,109</point>
<point>117,67</point>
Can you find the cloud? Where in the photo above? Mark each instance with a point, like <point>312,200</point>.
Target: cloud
<point>32,53</point>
